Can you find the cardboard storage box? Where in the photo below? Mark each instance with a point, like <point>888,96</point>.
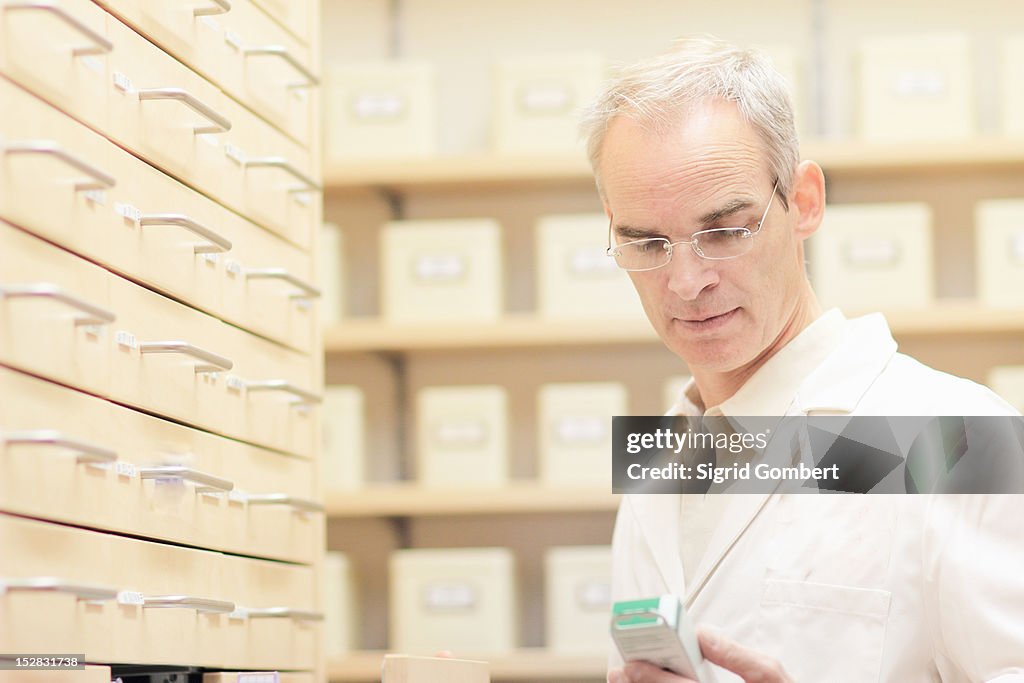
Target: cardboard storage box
<point>866,257</point>
<point>332,274</point>
<point>463,600</point>
<point>340,609</point>
<point>380,110</point>
<point>574,425</point>
<point>916,88</point>
<point>578,605</point>
<point>1012,90</point>
<point>343,417</point>
<point>1008,382</point>
<point>438,270</point>
<point>575,276</point>
<point>539,100</point>
<point>461,435</point>
<point>999,262</point>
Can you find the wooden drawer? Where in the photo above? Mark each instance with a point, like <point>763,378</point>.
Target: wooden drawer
<point>295,15</point>
<point>54,312</point>
<point>58,49</point>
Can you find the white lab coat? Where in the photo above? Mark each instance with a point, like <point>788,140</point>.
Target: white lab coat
<point>852,588</point>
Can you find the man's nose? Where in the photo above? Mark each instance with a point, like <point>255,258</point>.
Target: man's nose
<point>689,274</point>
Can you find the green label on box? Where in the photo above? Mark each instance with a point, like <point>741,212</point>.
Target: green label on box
<point>647,612</point>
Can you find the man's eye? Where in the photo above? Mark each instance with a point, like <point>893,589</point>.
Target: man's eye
<point>724,235</point>
<point>648,246</point>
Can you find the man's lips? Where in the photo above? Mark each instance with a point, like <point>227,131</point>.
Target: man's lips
<point>703,317</point>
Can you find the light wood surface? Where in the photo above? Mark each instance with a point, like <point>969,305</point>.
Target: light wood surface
<point>522,665</point>
<point>406,669</point>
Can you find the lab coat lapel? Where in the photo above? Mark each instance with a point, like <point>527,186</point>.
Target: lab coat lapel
<point>658,517</point>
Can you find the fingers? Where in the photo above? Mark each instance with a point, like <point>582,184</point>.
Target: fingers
<point>645,672</point>
<point>617,676</point>
<point>751,666</point>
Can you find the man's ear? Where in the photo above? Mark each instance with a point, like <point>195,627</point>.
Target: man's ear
<point>808,198</point>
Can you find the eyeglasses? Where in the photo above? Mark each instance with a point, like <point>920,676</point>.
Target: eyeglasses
<point>717,244</point>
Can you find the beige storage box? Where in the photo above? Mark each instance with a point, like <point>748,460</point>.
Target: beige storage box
<point>1008,382</point>
<point>461,436</point>
<point>539,100</point>
<point>866,257</point>
<point>1012,91</point>
<point>340,608</point>
<point>916,88</point>
<point>574,425</point>
<point>463,600</point>
<point>436,271</point>
<point>344,455</point>
<point>575,276</point>
<point>578,605</point>
<point>673,390</point>
<point>331,265</point>
<point>379,111</point>
<point>999,261</point>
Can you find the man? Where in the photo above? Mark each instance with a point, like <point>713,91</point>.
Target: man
<point>697,163</point>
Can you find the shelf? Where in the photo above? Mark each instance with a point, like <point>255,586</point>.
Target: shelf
<point>835,157</point>
<point>409,499</point>
<point>522,665</point>
<point>952,317</point>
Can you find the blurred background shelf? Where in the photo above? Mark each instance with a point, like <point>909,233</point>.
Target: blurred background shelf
<point>527,664</point>
<point>409,499</point>
<point>951,317</point>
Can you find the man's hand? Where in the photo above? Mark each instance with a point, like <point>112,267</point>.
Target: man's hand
<point>752,667</point>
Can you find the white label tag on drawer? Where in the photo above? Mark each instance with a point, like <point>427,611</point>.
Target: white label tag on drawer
<point>590,261</point>
<point>439,267</point>
<point>91,63</point>
<point>235,383</point>
<point>128,211</point>
<point>872,252</point>
<point>449,596</point>
<point>461,433</point>
<point>920,83</point>
<point>233,39</point>
<point>594,595</point>
<point>96,196</point>
<point>125,469</point>
<point>130,598</point>
<point>126,339</point>
<point>1017,247</point>
<point>379,106</point>
<point>259,677</point>
<point>122,82</point>
<point>576,429</point>
<point>545,99</point>
<point>234,153</point>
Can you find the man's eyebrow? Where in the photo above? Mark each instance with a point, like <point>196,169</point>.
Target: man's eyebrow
<point>732,207</point>
<point>635,233</point>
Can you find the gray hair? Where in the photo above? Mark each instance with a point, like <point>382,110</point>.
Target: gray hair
<point>657,91</point>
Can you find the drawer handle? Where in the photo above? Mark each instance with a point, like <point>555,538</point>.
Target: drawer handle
<point>99,45</point>
<point>305,397</point>
<point>100,180</point>
<point>281,52</point>
<point>87,452</point>
<point>308,184</point>
<point>283,613</point>
<point>93,315</point>
<point>220,124</point>
<point>207,482</point>
<point>308,290</point>
<point>82,591</point>
<point>189,602</point>
<point>213,362</point>
<point>219,7</point>
<point>217,243</point>
<point>284,499</point>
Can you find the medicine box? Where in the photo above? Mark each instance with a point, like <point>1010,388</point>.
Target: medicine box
<point>575,276</point>
<point>343,417</point>
<point>1008,382</point>
<point>999,261</point>
<point>1012,90</point>
<point>539,100</point>
<point>916,88</point>
<point>461,435</point>
<point>379,110</point>
<point>574,425</point>
<point>340,607</point>
<point>331,274</point>
<point>870,256</point>
<point>578,604</point>
<point>462,600</point>
<point>441,270</point>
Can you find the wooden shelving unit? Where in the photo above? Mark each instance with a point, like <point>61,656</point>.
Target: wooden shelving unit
<point>408,499</point>
<point>953,317</point>
<point>526,664</point>
<point>846,158</point>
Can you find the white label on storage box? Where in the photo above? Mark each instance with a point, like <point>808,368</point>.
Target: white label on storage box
<point>545,98</point>
<point>580,429</point>
<point>1017,247</point>
<point>449,596</point>
<point>125,338</point>
<point>594,595</point>
<point>920,83</point>
<point>872,252</point>
<point>461,433</point>
<point>590,261</point>
<point>130,598</point>
<point>378,106</point>
<point>128,211</point>
<point>122,82</point>
<point>439,267</point>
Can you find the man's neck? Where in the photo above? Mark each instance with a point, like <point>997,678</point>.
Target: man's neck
<point>716,387</point>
